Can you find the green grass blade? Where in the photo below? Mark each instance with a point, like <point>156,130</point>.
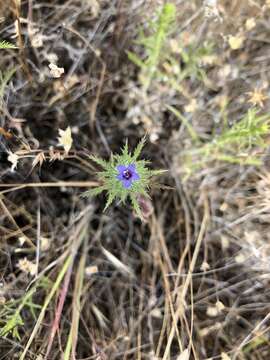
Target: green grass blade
<point>46,304</point>
<point>190,129</point>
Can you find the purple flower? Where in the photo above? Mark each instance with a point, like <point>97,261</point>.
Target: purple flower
<point>127,174</point>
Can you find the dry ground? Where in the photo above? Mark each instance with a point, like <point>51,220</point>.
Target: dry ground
<point>191,282</point>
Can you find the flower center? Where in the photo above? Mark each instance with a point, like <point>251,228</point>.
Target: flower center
<point>127,174</point>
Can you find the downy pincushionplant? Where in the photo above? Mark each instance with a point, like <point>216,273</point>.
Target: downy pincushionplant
<point>124,176</point>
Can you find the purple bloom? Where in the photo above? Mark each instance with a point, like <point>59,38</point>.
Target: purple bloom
<point>127,174</point>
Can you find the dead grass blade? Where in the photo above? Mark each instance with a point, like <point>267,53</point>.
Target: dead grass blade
<point>117,263</point>
<point>76,307</point>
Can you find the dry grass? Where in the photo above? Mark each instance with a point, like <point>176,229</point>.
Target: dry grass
<point>192,281</point>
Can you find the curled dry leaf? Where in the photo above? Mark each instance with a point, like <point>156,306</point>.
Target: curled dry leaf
<point>22,240</point>
<point>236,42</point>
<point>192,106</point>
<point>224,356</point>
<point>184,355</point>
<point>8,135</point>
<point>55,155</point>
<point>90,270</point>
<point>39,159</point>
<point>146,207</point>
<point>212,311</point>
<point>220,306</point>
<point>215,310</point>
<point>257,97</point>
<point>65,139</point>
<point>2,300</point>
<point>94,7</point>
<point>250,24</point>
<point>15,30</point>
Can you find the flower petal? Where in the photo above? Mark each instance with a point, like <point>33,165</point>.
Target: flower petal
<point>121,168</point>
<point>132,168</point>
<point>135,176</point>
<point>127,183</point>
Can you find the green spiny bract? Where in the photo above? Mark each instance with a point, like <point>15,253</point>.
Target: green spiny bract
<point>124,176</point>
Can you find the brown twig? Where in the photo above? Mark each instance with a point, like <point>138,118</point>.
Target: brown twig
<point>23,61</point>
<point>18,186</point>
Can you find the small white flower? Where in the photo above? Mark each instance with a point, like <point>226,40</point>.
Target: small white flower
<point>205,266</point>
<point>13,158</point>
<point>192,106</point>
<point>56,71</point>
<point>52,57</point>
<point>37,40</point>
<point>36,37</point>
<point>211,9</point>
<point>27,266</point>
<point>45,243</point>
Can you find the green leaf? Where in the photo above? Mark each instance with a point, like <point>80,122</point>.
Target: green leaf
<point>12,326</point>
<point>4,79</point>
<point>135,59</point>
<point>190,129</point>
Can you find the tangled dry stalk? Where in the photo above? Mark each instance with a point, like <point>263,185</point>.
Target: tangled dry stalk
<point>191,282</point>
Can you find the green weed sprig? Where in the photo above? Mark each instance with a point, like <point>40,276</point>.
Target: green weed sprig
<point>154,44</point>
<point>234,145</point>
<point>10,313</point>
<point>7,45</point>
